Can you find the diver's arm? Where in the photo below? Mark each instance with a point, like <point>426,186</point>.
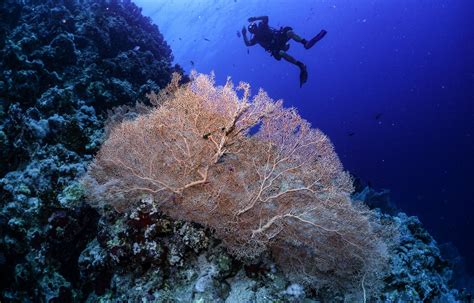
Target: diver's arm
<point>263,18</point>
<point>246,40</point>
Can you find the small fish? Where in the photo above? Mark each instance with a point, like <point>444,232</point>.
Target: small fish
<point>351,134</point>
<point>136,48</point>
<point>378,116</point>
<point>207,39</point>
<point>179,38</point>
<point>192,62</point>
<point>238,34</point>
<point>248,52</point>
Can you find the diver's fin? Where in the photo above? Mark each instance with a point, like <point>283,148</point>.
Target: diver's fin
<point>309,44</point>
<point>303,74</point>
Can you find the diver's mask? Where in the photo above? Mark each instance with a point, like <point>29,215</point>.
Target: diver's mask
<point>252,27</point>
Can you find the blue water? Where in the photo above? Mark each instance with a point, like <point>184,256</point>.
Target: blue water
<point>392,84</point>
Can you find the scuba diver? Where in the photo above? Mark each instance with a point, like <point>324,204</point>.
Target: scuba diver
<point>276,41</point>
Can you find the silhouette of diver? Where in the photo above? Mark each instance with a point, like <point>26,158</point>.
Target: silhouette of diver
<point>276,41</point>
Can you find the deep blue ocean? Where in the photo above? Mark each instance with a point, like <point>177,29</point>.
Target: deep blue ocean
<point>392,85</point>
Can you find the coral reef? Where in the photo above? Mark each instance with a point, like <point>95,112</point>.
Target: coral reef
<point>141,251</point>
<point>281,189</point>
<point>415,259</point>
<point>63,64</point>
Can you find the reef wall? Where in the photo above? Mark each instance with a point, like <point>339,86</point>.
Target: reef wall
<point>63,64</point>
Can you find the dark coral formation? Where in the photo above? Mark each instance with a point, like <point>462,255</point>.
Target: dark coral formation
<point>416,258</point>
<point>62,60</point>
<point>63,64</point>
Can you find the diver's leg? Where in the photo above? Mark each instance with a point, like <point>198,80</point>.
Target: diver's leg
<point>307,44</point>
<point>292,35</point>
<point>303,70</point>
<point>310,43</point>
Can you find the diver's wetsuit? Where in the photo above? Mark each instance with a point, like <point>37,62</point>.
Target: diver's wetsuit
<point>276,41</point>
<point>273,41</point>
